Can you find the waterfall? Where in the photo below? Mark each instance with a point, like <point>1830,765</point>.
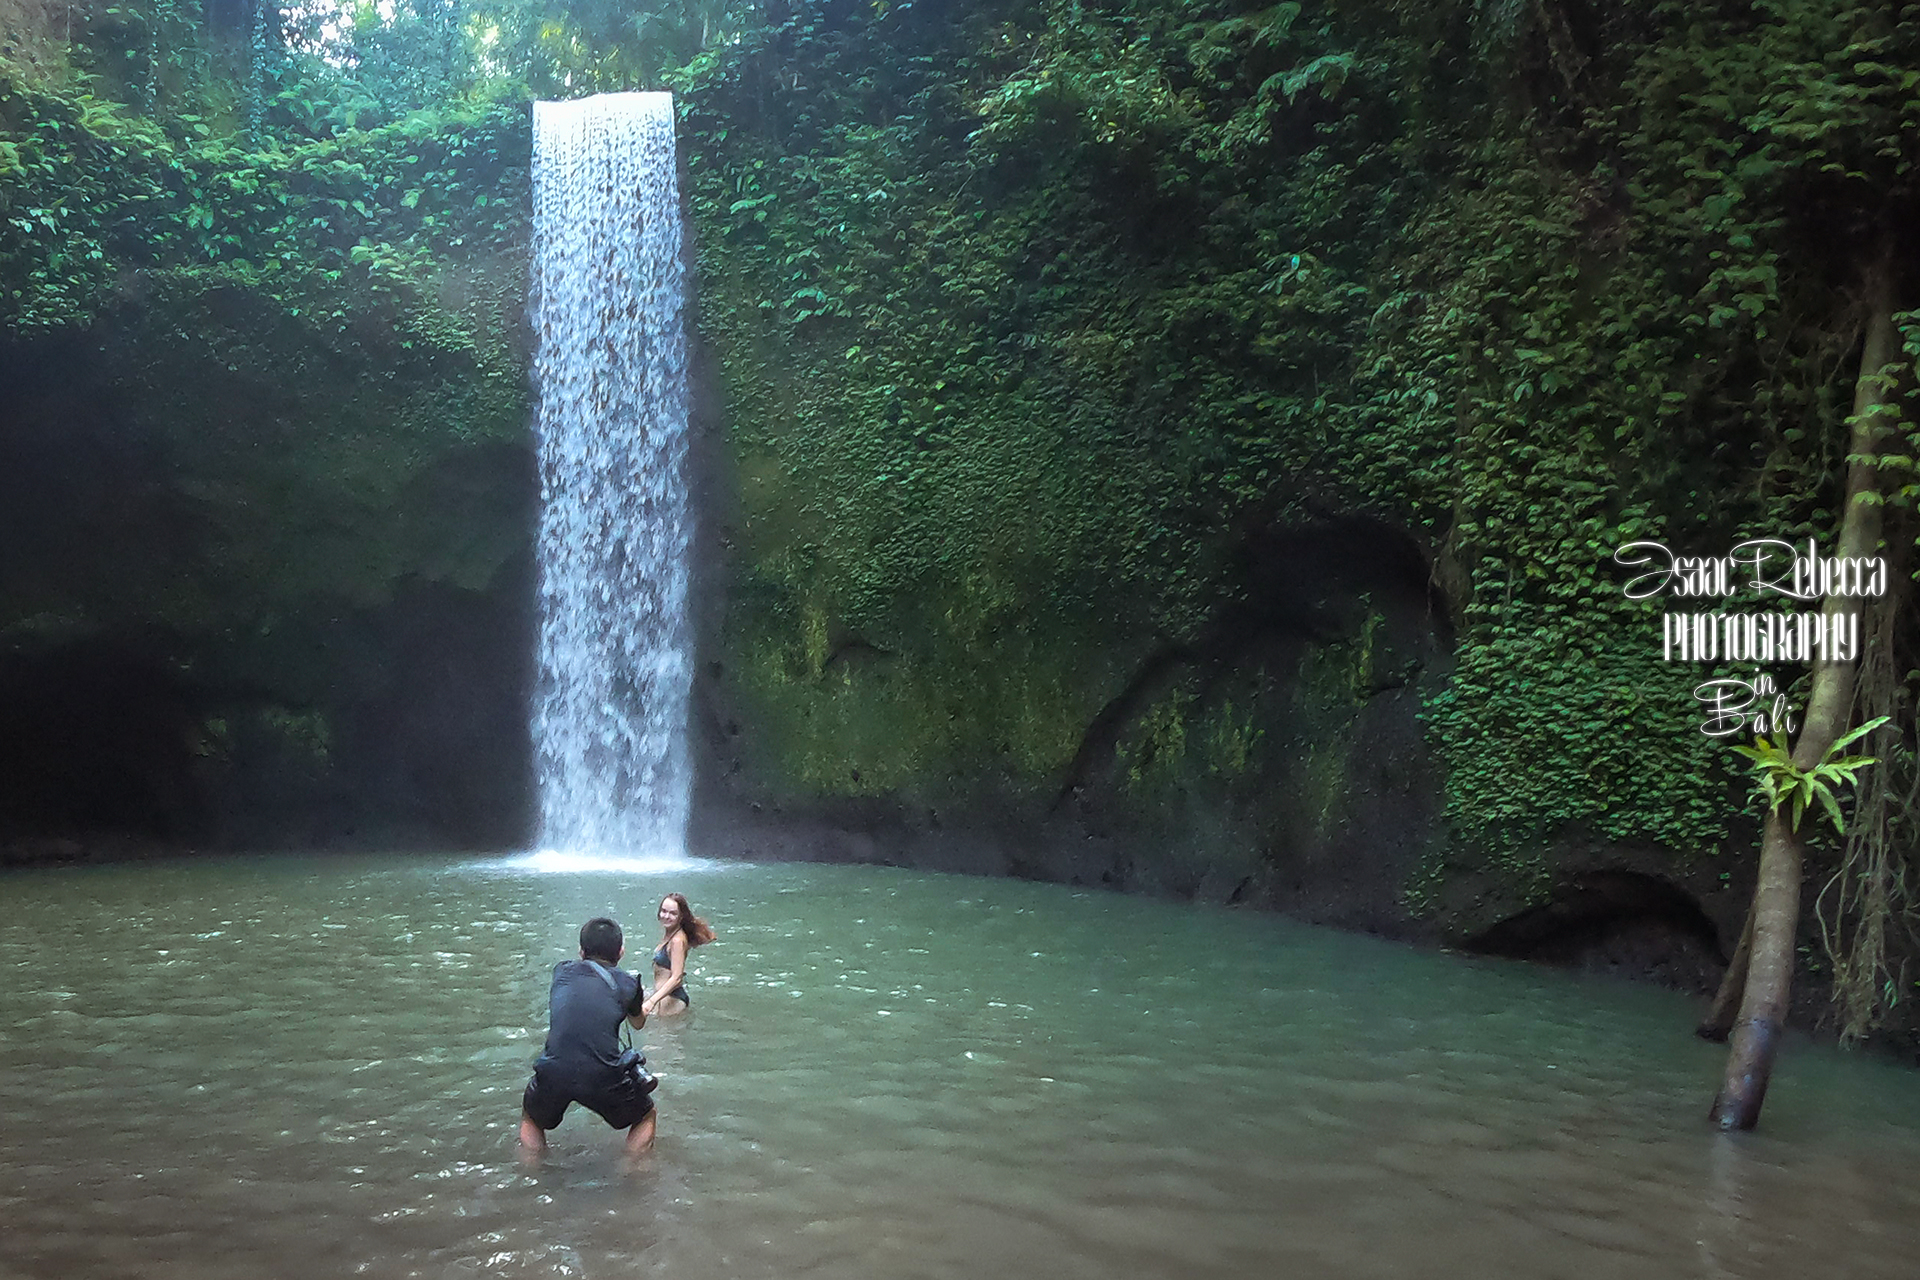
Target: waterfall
<point>609,310</point>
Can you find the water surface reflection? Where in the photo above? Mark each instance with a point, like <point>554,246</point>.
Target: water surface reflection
<point>312,1067</point>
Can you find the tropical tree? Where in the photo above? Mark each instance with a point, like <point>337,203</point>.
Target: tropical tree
<point>1783,137</point>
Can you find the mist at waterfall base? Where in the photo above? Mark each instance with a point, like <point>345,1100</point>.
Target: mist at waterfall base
<point>609,309</point>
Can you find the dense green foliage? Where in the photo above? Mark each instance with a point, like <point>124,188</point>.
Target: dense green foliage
<point>264,425</point>
<point>362,295</point>
<point>1020,310</point>
<point>92,192</point>
<point>1030,318</point>
<point>1032,311</point>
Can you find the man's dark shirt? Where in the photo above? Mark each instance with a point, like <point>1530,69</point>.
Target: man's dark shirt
<point>583,1021</point>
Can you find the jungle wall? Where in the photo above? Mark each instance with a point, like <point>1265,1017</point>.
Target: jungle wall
<point>266,488</point>
<point>1185,446</point>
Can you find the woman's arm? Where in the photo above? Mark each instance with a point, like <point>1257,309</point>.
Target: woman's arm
<point>677,953</point>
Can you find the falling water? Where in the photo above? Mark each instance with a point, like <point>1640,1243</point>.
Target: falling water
<point>609,297</point>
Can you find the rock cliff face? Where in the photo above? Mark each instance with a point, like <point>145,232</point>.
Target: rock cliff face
<point>266,585</point>
<point>269,589</point>
<point>1278,761</point>
<point>270,585</point>
<point>1039,551</point>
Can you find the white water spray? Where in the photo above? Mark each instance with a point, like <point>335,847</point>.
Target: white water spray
<point>609,307</point>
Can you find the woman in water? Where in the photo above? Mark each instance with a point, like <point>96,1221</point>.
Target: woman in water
<point>680,932</point>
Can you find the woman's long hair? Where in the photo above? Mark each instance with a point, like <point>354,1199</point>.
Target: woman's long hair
<point>696,929</point>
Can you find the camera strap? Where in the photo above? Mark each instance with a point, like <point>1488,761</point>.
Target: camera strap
<point>606,977</point>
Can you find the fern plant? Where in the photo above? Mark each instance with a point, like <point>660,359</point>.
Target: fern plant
<point>1782,782</point>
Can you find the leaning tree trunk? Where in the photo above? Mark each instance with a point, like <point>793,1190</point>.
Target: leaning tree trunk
<point>1775,918</point>
<point>1718,1024</point>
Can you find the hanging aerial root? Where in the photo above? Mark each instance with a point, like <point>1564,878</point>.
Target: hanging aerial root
<point>1867,910</point>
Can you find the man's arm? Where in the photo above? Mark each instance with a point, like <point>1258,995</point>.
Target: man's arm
<point>637,1009</point>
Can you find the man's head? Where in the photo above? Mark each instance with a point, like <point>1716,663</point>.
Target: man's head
<point>601,939</point>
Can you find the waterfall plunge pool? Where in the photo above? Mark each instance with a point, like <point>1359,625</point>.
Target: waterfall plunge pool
<point>311,1067</point>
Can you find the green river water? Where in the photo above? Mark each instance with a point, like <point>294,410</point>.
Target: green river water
<point>292,1067</point>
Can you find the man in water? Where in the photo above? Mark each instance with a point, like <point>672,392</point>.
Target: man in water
<point>582,1061</point>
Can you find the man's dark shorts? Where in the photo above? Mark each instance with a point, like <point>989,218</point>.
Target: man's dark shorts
<point>619,1102</point>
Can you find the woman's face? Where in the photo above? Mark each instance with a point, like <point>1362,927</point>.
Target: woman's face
<point>669,914</point>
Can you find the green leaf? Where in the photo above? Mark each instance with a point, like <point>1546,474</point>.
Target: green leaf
<point>1856,734</point>
<point>1832,806</point>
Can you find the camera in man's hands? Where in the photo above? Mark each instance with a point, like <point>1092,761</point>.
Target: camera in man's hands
<point>634,1063</point>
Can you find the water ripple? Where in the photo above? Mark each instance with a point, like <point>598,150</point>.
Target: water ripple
<point>903,1089</point>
